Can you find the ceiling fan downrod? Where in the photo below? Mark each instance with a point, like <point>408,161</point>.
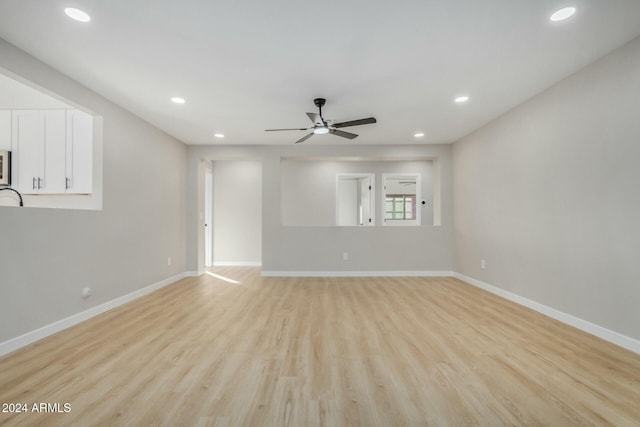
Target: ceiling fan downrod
<point>319,102</point>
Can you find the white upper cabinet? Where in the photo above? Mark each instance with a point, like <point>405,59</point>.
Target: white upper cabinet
<point>53,131</point>
<point>5,129</point>
<point>79,153</point>
<point>52,151</point>
<point>27,147</point>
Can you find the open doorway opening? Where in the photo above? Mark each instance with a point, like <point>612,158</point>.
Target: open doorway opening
<point>52,148</point>
<point>355,201</point>
<point>233,213</point>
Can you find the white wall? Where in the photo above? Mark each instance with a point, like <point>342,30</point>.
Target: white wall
<point>347,200</point>
<point>237,212</point>
<point>549,196</point>
<point>320,248</point>
<point>48,255</point>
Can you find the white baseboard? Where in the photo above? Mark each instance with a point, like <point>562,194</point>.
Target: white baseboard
<point>357,273</point>
<point>194,273</point>
<point>55,327</point>
<point>591,328</point>
<point>237,264</point>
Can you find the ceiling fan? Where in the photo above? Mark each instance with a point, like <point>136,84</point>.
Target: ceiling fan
<point>322,126</point>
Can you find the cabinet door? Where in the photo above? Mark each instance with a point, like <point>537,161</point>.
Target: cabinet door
<point>53,131</point>
<point>5,129</point>
<point>26,146</point>
<point>79,152</point>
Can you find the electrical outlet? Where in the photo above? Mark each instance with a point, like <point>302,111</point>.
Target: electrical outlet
<point>345,256</point>
<point>483,264</point>
<point>169,261</point>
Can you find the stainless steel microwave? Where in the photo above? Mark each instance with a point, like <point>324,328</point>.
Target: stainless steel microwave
<point>5,167</point>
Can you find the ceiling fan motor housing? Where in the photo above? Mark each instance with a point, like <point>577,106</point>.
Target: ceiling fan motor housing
<point>319,102</point>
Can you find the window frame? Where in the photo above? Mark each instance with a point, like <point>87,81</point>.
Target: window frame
<point>416,198</point>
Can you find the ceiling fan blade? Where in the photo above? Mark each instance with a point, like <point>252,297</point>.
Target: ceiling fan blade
<point>277,130</point>
<point>343,134</point>
<point>316,119</point>
<point>304,138</point>
<point>366,121</point>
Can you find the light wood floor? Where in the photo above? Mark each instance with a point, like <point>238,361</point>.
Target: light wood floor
<point>322,351</point>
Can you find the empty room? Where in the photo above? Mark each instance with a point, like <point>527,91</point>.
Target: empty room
<point>414,213</point>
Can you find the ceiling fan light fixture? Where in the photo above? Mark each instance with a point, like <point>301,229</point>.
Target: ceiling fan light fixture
<point>77,14</point>
<point>562,14</point>
<point>322,126</point>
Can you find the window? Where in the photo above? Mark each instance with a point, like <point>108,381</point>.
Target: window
<point>400,195</point>
<point>400,206</point>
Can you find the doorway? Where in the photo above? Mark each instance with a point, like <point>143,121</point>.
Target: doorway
<point>355,202</point>
<point>233,213</point>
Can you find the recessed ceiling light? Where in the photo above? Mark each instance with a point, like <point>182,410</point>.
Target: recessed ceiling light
<point>419,135</point>
<point>563,14</point>
<point>218,135</point>
<point>177,100</point>
<point>461,99</point>
<point>77,14</point>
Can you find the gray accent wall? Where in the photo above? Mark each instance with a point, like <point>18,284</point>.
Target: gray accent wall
<point>48,255</point>
<point>549,196</point>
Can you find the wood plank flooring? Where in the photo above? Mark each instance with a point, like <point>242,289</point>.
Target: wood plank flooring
<point>322,352</point>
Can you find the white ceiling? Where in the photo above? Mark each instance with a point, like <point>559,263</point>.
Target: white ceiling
<point>244,66</point>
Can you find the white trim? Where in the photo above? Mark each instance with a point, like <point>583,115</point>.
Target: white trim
<point>55,327</point>
<point>237,264</point>
<point>194,273</point>
<point>586,326</point>
<point>208,214</point>
<point>357,273</point>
